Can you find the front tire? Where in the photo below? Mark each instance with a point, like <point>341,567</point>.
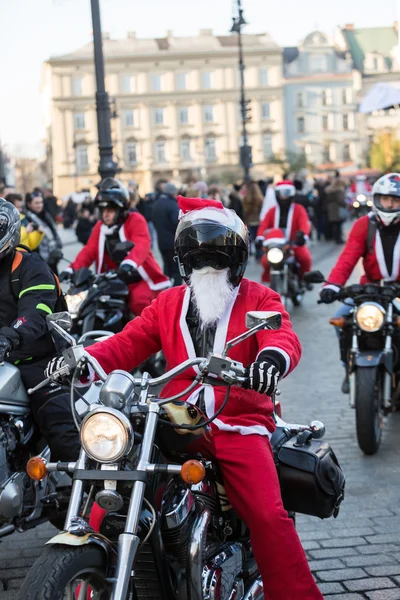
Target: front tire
<point>277,285</point>
<point>61,569</point>
<point>368,400</point>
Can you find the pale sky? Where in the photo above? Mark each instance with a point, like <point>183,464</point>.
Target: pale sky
<point>34,30</point>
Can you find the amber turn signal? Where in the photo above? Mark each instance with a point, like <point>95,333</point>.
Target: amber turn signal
<point>339,322</point>
<point>36,468</point>
<point>397,321</point>
<point>192,472</point>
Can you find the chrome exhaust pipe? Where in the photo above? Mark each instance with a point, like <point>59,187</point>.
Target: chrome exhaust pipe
<point>195,555</point>
<point>6,530</point>
<point>256,591</point>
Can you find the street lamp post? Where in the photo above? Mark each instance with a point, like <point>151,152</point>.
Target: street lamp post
<point>107,166</point>
<point>245,148</point>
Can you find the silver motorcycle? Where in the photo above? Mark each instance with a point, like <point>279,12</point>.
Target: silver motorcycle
<point>169,531</point>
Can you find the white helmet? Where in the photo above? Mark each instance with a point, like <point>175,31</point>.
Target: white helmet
<point>387,185</point>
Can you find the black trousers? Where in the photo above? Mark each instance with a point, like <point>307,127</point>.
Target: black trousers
<point>171,268</point>
<point>51,410</point>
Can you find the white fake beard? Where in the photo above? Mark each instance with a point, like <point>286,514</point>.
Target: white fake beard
<point>212,293</point>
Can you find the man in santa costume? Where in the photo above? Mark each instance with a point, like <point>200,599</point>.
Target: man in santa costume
<point>376,239</point>
<point>212,246</point>
<point>286,220</point>
<point>138,269</point>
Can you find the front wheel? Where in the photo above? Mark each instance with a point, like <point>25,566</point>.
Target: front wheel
<point>368,401</point>
<point>277,284</point>
<point>65,572</point>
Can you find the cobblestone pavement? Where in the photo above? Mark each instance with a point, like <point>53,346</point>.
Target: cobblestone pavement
<point>357,555</point>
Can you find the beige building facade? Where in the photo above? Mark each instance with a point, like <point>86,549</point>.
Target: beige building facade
<point>176,108</point>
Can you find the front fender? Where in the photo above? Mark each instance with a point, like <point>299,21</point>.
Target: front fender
<point>372,358</point>
<point>66,538</point>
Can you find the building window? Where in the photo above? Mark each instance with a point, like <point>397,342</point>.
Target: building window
<point>301,126</point>
<point>128,84</point>
<point>346,125</point>
<point>325,123</point>
<point>326,156</point>
<point>77,86</point>
<point>129,118</point>
<point>131,153</point>
<point>324,98</point>
<point>183,115</point>
<point>346,152</point>
<point>347,96</point>
<point>185,149</point>
<point>79,120</point>
<point>160,152</point>
<point>263,76</point>
<point>210,149</point>
<point>265,110</point>
<point>159,116</point>
<point>82,160</point>
<point>376,64</point>
<point>181,81</point>
<point>207,80</point>
<point>209,113</point>
<point>299,100</point>
<point>267,146</point>
<point>318,63</point>
<point>156,83</point>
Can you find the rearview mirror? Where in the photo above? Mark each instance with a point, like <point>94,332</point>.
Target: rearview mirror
<point>271,319</point>
<point>314,277</point>
<point>62,319</point>
<point>121,250</point>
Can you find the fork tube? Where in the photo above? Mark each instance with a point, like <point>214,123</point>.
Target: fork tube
<point>76,492</point>
<point>387,380</point>
<point>128,542</point>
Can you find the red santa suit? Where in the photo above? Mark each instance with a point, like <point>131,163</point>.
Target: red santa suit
<point>135,230</point>
<point>374,263</point>
<point>241,432</point>
<point>297,220</point>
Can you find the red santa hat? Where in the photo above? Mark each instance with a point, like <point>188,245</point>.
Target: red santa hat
<point>208,209</point>
<point>188,204</point>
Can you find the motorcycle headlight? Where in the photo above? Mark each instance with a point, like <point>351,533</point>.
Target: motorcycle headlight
<point>369,203</point>
<point>361,198</point>
<point>370,316</point>
<point>75,301</point>
<point>106,435</point>
<point>275,256</point>
<point>356,204</point>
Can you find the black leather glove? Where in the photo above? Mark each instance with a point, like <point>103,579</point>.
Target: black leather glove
<point>300,238</point>
<point>262,377</point>
<point>327,296</point>
<point>64,377</point>
<point>5,348</point>
<point>128,273</point>
<point>65,276</point>
<point>259,242</point>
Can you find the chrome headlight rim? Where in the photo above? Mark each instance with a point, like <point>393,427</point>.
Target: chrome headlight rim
<point>380,313</point>
<point>75,301</point>
<point>126,428</point>
<point>275,253</point>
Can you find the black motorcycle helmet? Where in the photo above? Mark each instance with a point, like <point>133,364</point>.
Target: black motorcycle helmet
<point>212,237</point>
<point>285,192</point>
<point>113,194</point>
<point>10,228</point>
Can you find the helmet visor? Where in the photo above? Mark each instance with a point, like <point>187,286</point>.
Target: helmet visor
<point>387,203</point>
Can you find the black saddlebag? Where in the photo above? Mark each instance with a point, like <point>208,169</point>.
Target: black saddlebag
<point>310,476</point>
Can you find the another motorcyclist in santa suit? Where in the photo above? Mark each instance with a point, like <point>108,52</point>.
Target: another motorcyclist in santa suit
<point>286,220</point>
<point>376,239</point>
<point>191,320</point>
<point>139,269</point>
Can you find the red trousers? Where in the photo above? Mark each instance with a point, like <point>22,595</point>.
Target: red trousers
<point>303,257</point>
<point>252,485</point>
<point>140,296</point>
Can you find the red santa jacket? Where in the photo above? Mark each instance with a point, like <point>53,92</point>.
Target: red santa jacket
<point>134,230</point>
<point>373,262</point>
<point>162,325</point>
<point>297,220</point>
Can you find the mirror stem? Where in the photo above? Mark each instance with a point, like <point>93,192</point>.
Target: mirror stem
<point>244,336</point>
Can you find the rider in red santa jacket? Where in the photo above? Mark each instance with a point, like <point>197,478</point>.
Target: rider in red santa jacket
<point>292,219</point>
<point>193,319</point>
<point>376,239</point>
<point>139,268</point>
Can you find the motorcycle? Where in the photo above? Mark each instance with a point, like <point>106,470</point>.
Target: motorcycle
<point>284,271</point>
<point>170,532</point>
<point>369,347</point>
<point>361,205</point>
<point>99,302</point>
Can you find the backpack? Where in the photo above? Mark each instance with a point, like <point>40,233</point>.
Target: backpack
<point>15,280</point>
<point>372,225</point>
